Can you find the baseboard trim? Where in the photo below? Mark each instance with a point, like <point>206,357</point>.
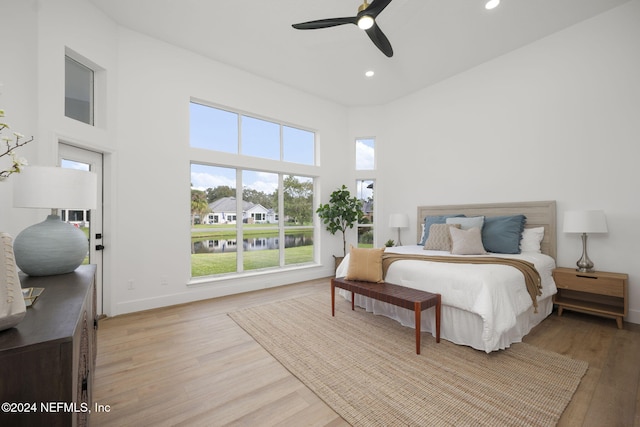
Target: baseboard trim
<point>633,316</point>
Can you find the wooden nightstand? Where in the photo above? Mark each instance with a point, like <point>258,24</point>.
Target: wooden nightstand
<point>598,292</point>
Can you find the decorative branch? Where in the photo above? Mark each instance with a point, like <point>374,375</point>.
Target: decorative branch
<point>11,146</point>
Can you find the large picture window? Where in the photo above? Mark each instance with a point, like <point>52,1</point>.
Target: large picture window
<point>244,219</point>
<point>236,231</point>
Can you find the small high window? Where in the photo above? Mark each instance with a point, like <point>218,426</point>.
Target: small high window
<point>78,91</point>
<point>365,154</point>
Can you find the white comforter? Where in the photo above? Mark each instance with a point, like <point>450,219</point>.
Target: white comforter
<point>496,293</point>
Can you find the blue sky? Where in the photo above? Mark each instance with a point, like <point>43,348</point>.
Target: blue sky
<point>219,130</point>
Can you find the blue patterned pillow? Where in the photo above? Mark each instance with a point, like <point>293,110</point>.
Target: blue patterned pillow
<point>436,219</point>
<point>501,234</point>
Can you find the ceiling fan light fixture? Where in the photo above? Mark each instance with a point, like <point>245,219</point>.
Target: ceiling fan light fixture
<point>365,22</point>
<point>491,4</point>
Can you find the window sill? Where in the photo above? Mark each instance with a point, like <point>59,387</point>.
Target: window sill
<point>223,278</point>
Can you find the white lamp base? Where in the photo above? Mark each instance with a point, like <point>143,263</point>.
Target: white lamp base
<point>50,247</point>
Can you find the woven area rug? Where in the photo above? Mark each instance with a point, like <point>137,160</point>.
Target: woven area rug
<point>365,367</point>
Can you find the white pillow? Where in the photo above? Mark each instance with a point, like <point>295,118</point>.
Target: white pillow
<point>531,238</point>
<point>467,222</point>
<point>466,242</point>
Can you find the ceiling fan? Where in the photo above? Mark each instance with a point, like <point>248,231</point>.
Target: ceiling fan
<point>365,20</point>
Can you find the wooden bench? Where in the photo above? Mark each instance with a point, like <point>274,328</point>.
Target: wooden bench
<point>412,299</point>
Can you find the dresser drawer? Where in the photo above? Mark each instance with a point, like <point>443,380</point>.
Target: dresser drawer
<point>591,283</point>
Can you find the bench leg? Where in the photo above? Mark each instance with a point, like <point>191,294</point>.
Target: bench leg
<point>353,301</point>
<point>438,307</point>
<point>416,309</point>
<point>333,298</point>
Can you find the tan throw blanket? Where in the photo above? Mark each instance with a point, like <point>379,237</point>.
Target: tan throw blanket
<point>531,275</point>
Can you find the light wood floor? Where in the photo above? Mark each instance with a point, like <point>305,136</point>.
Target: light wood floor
<point>192,365</point>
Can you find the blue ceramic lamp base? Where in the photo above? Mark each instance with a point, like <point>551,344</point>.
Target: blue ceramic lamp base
<point>50,247</point>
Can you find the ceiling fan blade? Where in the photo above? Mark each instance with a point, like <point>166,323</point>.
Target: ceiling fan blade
<point>376,7</point>
<point>380,40</point>
<point>324,23</point>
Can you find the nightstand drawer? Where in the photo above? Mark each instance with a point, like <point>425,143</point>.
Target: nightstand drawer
<point>586,282</point>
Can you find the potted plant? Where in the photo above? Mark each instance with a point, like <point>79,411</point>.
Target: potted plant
<point>342,212</point>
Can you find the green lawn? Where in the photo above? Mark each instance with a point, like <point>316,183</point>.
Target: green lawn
<point>208,264</point>
<point>219,263</point>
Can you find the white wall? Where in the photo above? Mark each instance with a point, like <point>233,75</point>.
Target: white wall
<point>18,97</point>
<point>556,120</point>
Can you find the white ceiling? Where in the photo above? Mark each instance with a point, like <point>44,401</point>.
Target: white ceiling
<point>432,39</point>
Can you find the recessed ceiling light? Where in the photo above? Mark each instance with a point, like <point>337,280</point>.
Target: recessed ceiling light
<point>491,4</point>
<point>369,73</point>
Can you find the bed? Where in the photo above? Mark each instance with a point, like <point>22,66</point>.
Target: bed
<point>484,306</point>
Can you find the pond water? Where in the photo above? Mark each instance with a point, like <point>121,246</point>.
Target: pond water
<point>249,244</point>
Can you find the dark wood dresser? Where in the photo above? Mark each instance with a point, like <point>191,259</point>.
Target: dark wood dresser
<point>47,361</point>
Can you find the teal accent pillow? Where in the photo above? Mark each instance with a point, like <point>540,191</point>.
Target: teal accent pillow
<point>501,234</point>
<point>436,219</point>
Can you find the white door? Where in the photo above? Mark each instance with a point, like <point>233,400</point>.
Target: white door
<point>78,158</point>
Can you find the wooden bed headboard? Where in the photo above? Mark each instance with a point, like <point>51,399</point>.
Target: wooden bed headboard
<point>539,214</point>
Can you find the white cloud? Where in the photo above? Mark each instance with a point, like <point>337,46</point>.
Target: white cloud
<point>262,181</point>
<point>365,156</point>
<point>202,181</point>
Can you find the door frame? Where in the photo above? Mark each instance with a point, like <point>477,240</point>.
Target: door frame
<point>96,161</point>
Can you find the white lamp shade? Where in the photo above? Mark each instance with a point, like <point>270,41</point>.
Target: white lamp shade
<point>399,220</point>
<point>585,222</point>
<point>55,188</point>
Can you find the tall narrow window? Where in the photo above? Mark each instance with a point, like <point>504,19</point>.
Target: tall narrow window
<point>365,161</point>
<point>79,97</point>
<point>365,154</point>
<point>79,218</point>
<point>364,189</point>
<point>298,219</point>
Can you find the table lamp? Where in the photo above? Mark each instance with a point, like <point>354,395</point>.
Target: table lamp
<point>399,221</point>
<point>52,246</point>
<point>584,222</point>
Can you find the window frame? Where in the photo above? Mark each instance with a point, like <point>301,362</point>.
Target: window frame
<point>98,89</point>
<point>363,175</point>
